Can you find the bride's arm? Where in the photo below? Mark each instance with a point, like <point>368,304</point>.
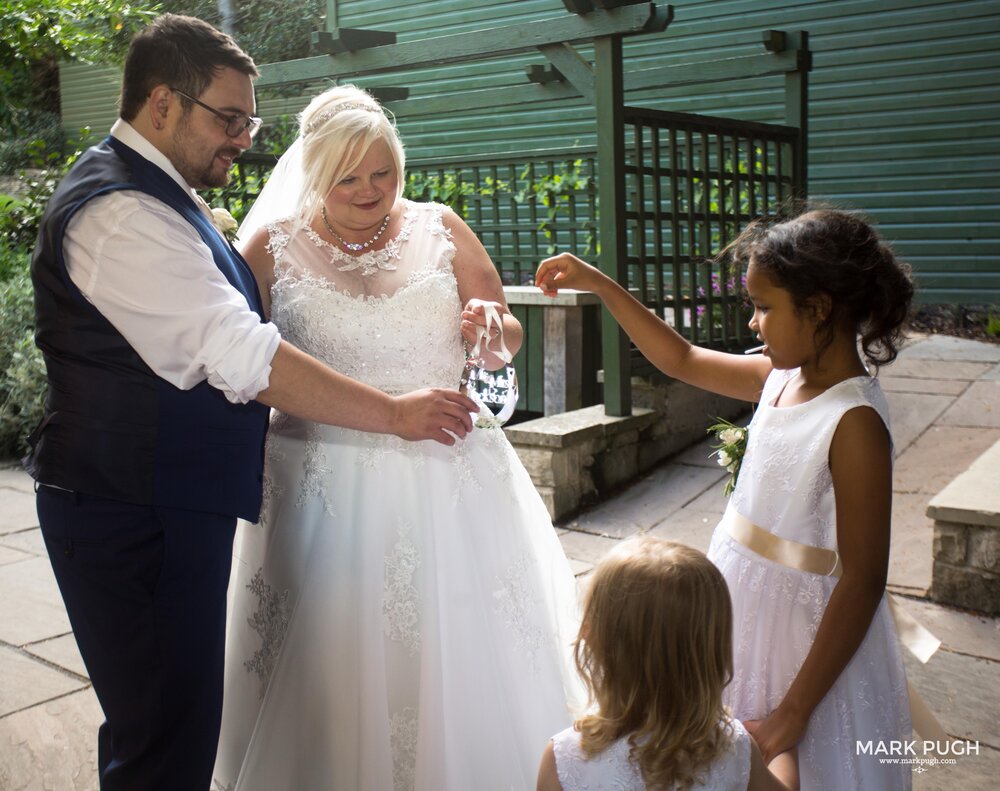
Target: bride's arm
<point>262,264</point>
<point>478,282</point>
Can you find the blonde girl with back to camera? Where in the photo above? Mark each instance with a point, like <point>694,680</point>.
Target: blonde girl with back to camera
<point>816,657</point>
<point>655,650</point>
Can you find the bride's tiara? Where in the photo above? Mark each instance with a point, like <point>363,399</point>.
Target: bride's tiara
<point>318,120</point>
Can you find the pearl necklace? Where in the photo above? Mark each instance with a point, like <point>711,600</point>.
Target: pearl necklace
<point>354,247</point>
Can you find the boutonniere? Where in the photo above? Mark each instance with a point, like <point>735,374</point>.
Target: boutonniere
<point>731,444</point>
<point>225,223</point>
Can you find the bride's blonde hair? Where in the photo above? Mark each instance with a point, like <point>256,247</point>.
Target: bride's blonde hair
<point>655,651</point>
<point>337,128</point>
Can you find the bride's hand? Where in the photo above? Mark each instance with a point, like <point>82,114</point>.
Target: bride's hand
<point>432,414</point>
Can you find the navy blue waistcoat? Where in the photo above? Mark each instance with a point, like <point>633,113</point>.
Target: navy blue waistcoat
<point>113,428</point>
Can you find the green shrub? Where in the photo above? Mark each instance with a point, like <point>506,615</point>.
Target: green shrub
<point>29,130</point>
<point>22,371</point>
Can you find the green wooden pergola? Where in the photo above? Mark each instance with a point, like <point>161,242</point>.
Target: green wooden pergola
<point>349,53</point>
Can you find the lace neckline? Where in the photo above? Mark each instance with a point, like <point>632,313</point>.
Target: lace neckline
<point>369,262</point>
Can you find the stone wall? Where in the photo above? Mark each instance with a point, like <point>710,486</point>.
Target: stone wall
<point>580,457</point>
<point>966,516</point>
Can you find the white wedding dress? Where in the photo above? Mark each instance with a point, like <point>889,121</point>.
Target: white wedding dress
<point>402,617</point>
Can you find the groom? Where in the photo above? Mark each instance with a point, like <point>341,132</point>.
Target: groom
<point>161,372</point>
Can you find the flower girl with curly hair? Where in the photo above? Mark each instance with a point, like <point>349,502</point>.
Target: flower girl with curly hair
<point>655,650</point>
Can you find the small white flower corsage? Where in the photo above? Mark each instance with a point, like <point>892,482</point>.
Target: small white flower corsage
<point>732,444</point>
<point>225,222</point>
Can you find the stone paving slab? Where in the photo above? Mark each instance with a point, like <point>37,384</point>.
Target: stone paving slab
<point>18,511</point>
<point>911,414</point>
<point>31,608</point>
<point>969,773</point>
<point>912,384</point>
<point>977,406</point>
<point>12,476</point>
<point>29,541</point>
<point>946,347</point>
<point>911,559</point>
<point>690,526</point>
<point>26,682</point>
<point>8,555</point>
<point>993,375</point>
<point>52,747</point>
<point>659,494</point>
<point>962,691</point>
<point>959,631</point>
<point>929,464</point>
<point>905,366</point>
<point>61,651</point>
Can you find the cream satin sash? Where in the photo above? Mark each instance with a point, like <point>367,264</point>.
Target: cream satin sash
<point>826,562</point>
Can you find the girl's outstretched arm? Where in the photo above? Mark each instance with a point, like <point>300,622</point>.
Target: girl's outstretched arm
<point>733,375</point>
<point>860,462</point>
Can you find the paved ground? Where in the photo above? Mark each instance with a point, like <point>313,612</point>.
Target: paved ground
<point>944,395</point>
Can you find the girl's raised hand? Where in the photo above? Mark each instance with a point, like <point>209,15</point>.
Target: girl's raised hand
<point>566,271</point>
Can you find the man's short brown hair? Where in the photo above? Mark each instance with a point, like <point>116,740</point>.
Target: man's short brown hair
<point>182,52</point>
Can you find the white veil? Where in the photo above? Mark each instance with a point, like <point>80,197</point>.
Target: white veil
<point>280,196</point>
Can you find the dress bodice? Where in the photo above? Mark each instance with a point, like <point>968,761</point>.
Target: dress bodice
<point>389,317</point>
<point>613,770</point>
<point>785,485</point>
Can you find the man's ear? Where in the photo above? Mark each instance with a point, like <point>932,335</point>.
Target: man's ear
<point>158,105</point>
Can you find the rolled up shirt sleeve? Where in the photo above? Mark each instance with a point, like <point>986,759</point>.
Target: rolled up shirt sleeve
<point>151,276</point>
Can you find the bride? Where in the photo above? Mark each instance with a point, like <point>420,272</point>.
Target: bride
<point>402,614</point>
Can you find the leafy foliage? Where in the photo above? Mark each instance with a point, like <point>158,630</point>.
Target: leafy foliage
<point>270,30</point>
<point>22,371</point>
<point>37,35</point>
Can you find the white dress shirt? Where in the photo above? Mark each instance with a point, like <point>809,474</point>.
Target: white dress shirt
<point>147,271</point>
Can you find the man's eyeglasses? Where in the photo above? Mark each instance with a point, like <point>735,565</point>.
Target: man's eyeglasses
<point>235,124</point>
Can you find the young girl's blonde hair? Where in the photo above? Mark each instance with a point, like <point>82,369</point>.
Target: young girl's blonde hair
<point>655,651</point>
<point>337,128</point>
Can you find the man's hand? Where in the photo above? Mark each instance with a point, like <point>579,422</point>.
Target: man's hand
<point>432,414</point>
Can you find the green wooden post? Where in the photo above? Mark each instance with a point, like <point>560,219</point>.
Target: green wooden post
<point>332,16</point>
<point>797,107</point>
<point>608,103</point>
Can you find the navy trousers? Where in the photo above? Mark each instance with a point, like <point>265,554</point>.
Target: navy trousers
<point>145,589</point>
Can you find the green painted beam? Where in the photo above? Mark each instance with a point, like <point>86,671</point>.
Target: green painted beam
<point>720,70</point>
<point>490,98</point>
<point>474,45</point>
<point>577,71</point>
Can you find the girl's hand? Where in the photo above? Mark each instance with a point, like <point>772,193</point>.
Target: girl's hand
<point>566,271</point>
<point>474,318</point>
<point>777,733</point>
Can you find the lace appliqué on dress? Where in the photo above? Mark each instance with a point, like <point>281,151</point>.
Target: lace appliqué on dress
<point>316,473</point>
<point>373,261</point>
<point>401,602</point>
<point>403,734</point>
<point>516,604</point>
<point>270,621</point>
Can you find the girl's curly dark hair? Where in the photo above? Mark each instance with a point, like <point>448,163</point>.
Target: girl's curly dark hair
<point>838,254</point>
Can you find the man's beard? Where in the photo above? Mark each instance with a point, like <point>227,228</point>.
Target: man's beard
<point>199,174</point>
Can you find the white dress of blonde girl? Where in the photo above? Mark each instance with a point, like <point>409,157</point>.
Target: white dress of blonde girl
<point>785,486</point>
<point>614,770</point>
<point>402,616</point>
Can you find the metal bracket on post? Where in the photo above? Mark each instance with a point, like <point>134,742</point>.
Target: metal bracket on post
<point>542,73</point>
<point>349,39</point>
<point>774,40</point>
<point>388,94</point>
